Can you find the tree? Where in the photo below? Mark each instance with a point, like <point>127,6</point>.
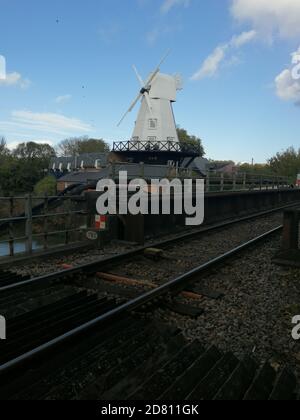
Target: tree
<point>19,175</point>
<point>286,163</point>
<point>24,167</point>
<point>79,145</point>
<point>221,163</point>
<point>190,140</point>
<point>3,148</point>
<point>32,150</point>
<point>258,168</point>
<point>46,185</point>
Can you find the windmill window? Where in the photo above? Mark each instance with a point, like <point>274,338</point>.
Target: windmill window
<point>152,124</point>
<point>98,164</point>
<point>151,138</point>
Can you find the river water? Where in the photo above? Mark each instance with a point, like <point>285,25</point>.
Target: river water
<point>19,247</point>
<point>37,244</point>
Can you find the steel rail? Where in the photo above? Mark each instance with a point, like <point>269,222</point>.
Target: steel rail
<point>172,286</point>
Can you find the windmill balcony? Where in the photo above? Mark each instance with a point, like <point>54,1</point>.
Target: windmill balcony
<point>156,146</point>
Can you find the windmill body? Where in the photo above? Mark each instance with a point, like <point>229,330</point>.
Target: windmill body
<point>155,138</point>
<point>157,123</point>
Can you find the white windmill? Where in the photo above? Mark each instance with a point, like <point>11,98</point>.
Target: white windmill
<point>155,121</point>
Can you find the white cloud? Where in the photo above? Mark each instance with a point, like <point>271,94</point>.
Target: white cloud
<point>288,81</point>
<point>109,32</point>
<point>50,121</point>
<point>2,67</point>
<point>153,35</point>
<point>168,5</point>
<point>238,41</point>
<point>13,144</point>
<point>163,26</point>
<point>14,79</point>
<point>213,62</point>
<point>161,31</point>
<point>269,17</point>
<point>63,99</point>
<point>30,123</point>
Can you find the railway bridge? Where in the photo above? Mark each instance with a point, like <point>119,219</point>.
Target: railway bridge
<point>32,225</point>
<point>90,307</point>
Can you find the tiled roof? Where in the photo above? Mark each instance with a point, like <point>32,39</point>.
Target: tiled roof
<point>133,171</point>
<point>88,160</point>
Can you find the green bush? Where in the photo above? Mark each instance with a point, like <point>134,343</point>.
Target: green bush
<point>46,186</point>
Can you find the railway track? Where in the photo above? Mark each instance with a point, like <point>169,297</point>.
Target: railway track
<point>59,326</point>
<point>13,280</point>
<point>129,274</point>
<point>142,360</point>
<point>56,328</point>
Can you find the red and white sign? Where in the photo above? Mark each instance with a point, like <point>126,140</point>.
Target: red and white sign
<point>298,180</point>
<point>100,222</point>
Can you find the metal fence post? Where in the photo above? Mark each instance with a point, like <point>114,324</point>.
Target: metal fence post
<point>28,223</point>
<point>11,228</point>
<point>234,182</point>
<point>113,171</point>
<point>208,182</point>
<point>142,169</point>
<point>222,181</point>
<point>46,222</point>
<point>69,220</point>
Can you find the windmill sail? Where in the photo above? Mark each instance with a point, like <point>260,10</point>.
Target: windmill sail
<point>155,121</point>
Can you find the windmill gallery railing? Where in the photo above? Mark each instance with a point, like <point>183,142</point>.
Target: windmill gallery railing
<point>156,146</point>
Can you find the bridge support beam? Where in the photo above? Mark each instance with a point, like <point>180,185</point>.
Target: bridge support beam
<point>290,252</point>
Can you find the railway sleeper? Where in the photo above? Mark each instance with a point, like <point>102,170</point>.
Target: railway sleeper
<point>174,369</point>
<point>13,278</point>
<point>144,356</point>
<point>262,385</point>
<point>162,379</point>
<point>239,382</point>
<point>128,385</point>
<point>18,294</point>
<point>52,314</point>
<point>33,383</point>
<point>184,309</point>
<point>54,328</point>
<point>208,385</point>
<point>212,376</point>
<point>39,313</point>
<point>284,388</point>
<point>202,366</point>
<point>106,357</point>
<point>21,305</point>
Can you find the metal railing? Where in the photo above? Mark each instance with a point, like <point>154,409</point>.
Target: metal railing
<point>214,182</point>
<point>222,182</point>
<point>147,171</point>
<point>155,146</point>
<point>21,226</point>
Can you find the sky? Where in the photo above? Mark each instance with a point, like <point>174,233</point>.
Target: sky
<point>69,70</point>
